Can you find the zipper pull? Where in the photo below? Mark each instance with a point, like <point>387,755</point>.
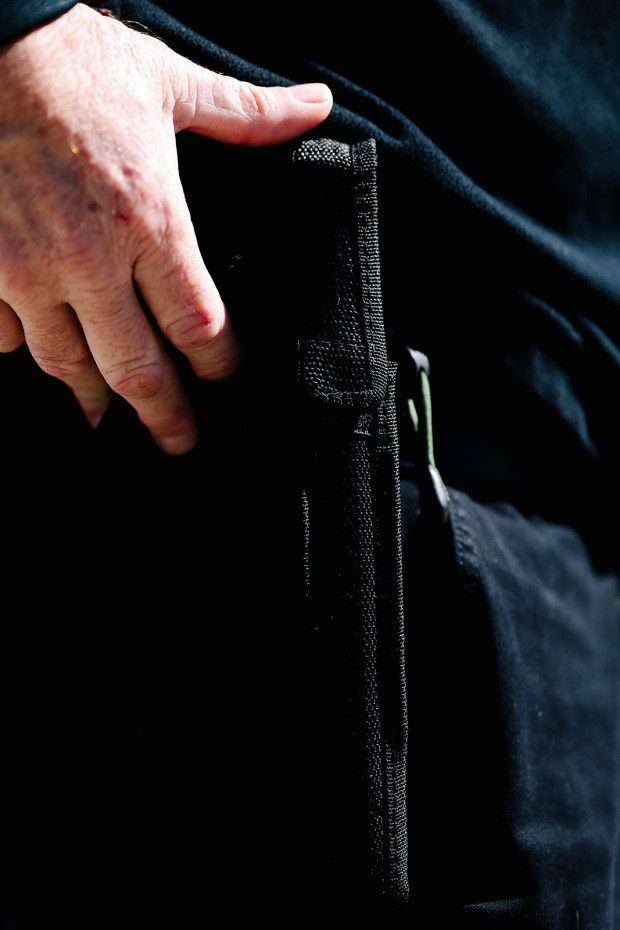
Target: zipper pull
<point>421,415</point>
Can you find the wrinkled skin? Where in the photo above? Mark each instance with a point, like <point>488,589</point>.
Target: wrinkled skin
<point>91,202</point>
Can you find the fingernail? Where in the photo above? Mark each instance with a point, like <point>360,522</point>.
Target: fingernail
<point>177,445</point>
<point>310,93</point>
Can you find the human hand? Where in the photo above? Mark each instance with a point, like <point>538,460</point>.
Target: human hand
<point>91,202</point>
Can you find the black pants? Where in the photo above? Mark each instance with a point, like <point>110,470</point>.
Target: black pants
<point>513,698</point>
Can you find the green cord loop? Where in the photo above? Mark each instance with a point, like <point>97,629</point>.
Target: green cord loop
<point>413,413</point>
<point>427,417</point>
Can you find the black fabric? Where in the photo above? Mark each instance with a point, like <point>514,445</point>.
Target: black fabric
<point>214,712</point>
<point>17,17</point>
<point>511,624</point>
<point>498,124</point>
<point>193,672</point>
<point>351,509</point>
<point>488,272</point>
<point>512,677</point>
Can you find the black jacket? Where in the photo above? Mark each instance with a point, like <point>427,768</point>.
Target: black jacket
<point>499,126</point>
<point>17,17</point>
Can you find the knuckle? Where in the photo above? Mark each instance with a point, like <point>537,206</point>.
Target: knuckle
<point>192,331</point>
<point>137,379</point>
<point>246,100</point>
<point>127,189</point>
<point>64,367</point>
<point>253,100</point>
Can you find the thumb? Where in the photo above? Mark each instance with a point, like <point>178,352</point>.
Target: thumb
<point>241,113</point>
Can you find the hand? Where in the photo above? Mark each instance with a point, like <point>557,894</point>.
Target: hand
<point>91,202</point>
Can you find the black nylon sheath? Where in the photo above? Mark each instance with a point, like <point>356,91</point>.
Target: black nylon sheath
<point>352,505</point>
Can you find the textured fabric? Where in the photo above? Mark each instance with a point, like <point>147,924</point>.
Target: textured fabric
<point>498,123</point>
<point>512,249</point>
<point>512,677</point>
<point>511,623</point>
<point>210,717</point>
<point>352,512</point>
<point>17,17</point>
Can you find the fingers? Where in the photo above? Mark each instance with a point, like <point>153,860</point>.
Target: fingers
<point>57,344</point>
<point>11,332</point>
<point>134,364</point>
<point>240,113</point>
<point>183,298</point>
<point>114,349</point>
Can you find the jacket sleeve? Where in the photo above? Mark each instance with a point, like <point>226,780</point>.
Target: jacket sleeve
<point>17,17</point>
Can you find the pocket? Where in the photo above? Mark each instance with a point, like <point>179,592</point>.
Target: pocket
<point>512,666</point>
<point>463,539</point>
